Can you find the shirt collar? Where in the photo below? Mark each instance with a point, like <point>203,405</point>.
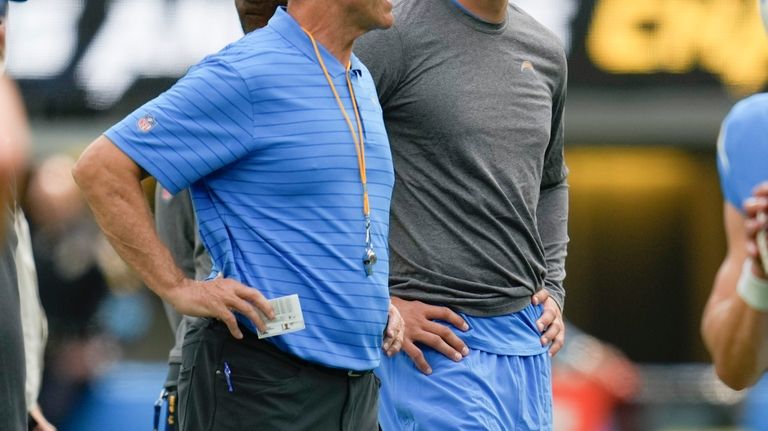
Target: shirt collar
<point>287,27</point>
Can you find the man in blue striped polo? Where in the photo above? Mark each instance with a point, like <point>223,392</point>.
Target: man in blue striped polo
<point>281,141</point>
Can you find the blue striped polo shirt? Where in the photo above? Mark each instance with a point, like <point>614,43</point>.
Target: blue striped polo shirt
<point>742,149</point>
<point>257,135</point>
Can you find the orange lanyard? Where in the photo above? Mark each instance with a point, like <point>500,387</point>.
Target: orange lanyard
<point>357,138</point>
<point>369,258</point>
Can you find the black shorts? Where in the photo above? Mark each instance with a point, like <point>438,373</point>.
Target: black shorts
<point>264,388</point>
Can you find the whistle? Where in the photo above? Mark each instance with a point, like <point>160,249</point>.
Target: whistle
<point>369,259</point>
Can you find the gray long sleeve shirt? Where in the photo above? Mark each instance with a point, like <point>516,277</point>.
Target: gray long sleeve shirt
<point>474,113</point>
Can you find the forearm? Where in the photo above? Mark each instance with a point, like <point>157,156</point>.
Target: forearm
<point>736,336</point>
<point>111,183</point>
<point>738,341</point>
<point>552,217</point>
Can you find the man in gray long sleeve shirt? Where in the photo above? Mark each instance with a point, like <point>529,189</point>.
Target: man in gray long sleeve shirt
<point>472,93</point>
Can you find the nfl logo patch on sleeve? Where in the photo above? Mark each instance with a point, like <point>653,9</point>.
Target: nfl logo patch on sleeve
<point>146,123</point>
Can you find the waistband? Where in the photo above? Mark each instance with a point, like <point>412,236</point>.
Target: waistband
<point>252,340</point>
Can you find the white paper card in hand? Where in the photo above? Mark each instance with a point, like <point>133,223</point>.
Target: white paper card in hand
<point>288,317</point>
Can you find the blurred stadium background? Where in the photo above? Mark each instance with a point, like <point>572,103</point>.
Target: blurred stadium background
<point>649,83</point>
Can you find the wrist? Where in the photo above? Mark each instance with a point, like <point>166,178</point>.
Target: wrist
<point>172,291</point>
<point>394,300</point>
<point>756,268</point>
<point>752,290</point>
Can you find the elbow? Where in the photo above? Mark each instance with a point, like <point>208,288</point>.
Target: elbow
<point>725,370</point>
<point>101,162</point>
<point>731,369</point>
<point>103,171</point>
<point>85,170</point>
<point>735,379</point>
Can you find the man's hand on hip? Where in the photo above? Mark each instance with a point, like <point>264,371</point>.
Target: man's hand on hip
<point>550,323</point>
<point>394,333</point>
<point>420,328</point>
<point>220,298</point>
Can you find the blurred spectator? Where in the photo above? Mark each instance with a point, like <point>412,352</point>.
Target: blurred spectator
<point>12,379</point>
<point>590,380</point>
<point>23,319</point>
<point>33,322</point>
<point>13,137</point>
<point>73,284</point>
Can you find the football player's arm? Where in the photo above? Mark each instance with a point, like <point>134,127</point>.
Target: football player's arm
<point>735,334</point>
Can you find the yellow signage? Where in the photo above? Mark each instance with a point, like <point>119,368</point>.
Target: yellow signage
<point>723,37</point>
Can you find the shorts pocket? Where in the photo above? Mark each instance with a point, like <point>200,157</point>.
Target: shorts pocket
<point>186,376</point>
<point>262,388</point>
<point>255,365</point>
<point>196,400</point>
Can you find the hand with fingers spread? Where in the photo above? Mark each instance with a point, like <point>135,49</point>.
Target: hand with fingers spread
<point>220,298</point>
<point>550,323</point>
<point>394,333</point>
<point>420,328</point>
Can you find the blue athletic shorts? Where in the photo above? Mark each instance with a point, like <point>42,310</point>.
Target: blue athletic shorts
<point>485,391</point>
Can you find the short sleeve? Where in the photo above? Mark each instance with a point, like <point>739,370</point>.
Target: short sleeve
<point>742,150</point>
<point>203,123</point>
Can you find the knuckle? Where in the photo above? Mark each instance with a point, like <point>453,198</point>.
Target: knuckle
<point>229,319</point>
<point>414,351</point>
<point>432,339</point>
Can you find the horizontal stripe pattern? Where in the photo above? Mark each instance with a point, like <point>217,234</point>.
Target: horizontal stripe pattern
<point>256,133</point>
